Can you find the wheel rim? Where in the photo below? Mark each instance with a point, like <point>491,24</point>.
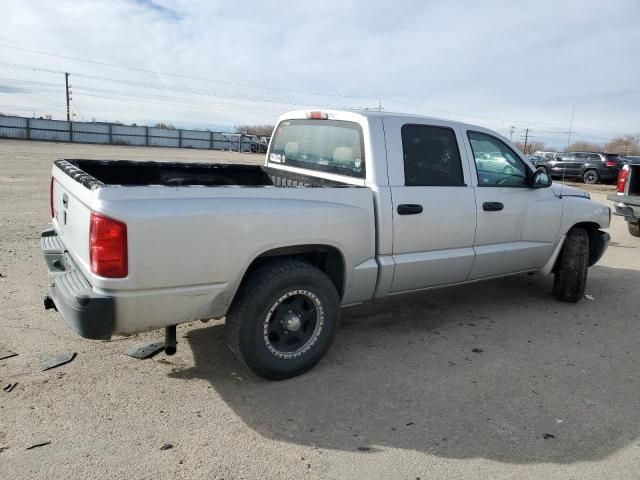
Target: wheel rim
<point>293,324</point>
<point>590,177</point>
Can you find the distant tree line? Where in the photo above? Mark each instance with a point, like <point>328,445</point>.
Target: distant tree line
<point>261,130</point>
<point>624,145</point>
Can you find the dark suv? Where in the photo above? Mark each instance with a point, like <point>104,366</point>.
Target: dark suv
<point>590,167</point>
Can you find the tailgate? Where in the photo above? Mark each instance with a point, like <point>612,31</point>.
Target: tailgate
<point>71,214</point>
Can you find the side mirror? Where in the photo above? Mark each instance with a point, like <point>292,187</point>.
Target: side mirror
<point>541,180</point>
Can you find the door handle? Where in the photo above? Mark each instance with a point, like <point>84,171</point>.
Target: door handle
<point>409,209</point>
<point>492,206</point>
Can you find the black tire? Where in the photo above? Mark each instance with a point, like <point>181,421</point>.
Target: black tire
<point>591,176</point>
<point>571,267</point>
<point>634,228</point>
<point>253,313</point>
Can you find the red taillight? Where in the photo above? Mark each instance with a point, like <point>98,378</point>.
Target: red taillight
<point>317,115</point>
<point>107,247</point>
<point>622,179</point>
<point>51,197</point>
<point>610,163</point>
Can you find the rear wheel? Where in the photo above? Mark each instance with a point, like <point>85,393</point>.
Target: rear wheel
<point>634,228</point>
<point>571,267</point>
<point>283,319</point>
<point>590,177</point>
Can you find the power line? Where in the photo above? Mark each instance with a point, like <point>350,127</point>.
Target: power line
<point>187,77</point>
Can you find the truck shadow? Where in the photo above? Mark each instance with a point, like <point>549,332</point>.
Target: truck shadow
<point>498,370</point>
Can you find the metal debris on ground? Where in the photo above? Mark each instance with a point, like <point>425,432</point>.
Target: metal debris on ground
<point>588,296</point>
<point>145,350</point>
<point>36,445</point>
<point>166,446</point>
<point>9,386</point>
<point>477,350</point>
<point>548,435</point>
<point>57,360</point>
<point>6,354</point>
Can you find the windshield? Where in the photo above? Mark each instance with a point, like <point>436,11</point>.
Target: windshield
<point>326,145</point>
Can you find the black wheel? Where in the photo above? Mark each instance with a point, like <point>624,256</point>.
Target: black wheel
<point>571,267</point>
<point>542,169</point>
<point>283,319</point>
<point>634,228</point>
<point>590,177</point>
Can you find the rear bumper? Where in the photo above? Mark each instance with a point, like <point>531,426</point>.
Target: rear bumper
<point>626,206</point>
<point>599,244</point>
<point>87,313</point>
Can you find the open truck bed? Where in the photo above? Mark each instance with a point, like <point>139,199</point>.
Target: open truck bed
<point>100,173</point>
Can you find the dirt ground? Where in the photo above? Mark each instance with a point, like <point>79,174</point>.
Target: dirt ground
<point>492,380</point>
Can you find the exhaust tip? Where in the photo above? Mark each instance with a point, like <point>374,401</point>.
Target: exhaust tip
<point>170,343</point>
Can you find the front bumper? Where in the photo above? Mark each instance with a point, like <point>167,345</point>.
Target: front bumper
<point>599,243</point>
<point>89,314</point>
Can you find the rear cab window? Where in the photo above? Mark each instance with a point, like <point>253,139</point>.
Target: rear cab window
<point>332,146</point>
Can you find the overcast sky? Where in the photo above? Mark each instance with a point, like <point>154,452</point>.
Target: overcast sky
<point>491,62</point>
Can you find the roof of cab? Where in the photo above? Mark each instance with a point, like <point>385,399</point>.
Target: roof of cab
<point>377,114</point>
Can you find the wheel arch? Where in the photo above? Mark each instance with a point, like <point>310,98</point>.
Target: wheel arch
<point>326,258</point>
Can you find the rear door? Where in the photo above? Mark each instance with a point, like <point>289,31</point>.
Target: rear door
<point>434,210</point>
<point>516,225</point>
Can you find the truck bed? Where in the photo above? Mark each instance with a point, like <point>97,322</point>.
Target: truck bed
<point>100,173</point>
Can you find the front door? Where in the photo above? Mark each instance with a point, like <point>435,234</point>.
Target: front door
<point>517,225</point>
<point>434,209</point>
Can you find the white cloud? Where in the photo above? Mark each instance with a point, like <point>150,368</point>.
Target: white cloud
<point>515,61</point>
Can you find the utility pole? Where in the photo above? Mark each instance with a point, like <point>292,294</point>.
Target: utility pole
<point>526,137</point>
<point>66,84</point>
<point>511,130</point>
<point>379,104</point>
<point>571,126</point>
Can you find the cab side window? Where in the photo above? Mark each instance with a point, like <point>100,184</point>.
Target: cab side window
<point>496,164</point>
<point>431,156</point>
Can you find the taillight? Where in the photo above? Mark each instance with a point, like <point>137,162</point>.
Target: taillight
<point>622,179</point>
<point>51,196</point>
<point>610,163</point>
<point>107,247</point>
<point>317,115</point>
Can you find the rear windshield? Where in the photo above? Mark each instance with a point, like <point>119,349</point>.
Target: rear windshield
<point>332,146</point>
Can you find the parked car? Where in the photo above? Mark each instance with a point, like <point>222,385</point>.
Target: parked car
<point>547,155</point>
<point>626,200</point>
<point>590,167</point>
<point>260,144</point>
<point>382,204</point>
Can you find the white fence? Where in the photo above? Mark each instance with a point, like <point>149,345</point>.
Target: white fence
<point>116,134</point>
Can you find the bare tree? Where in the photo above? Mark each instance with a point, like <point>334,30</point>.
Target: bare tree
<point>532,146</point>
<point>624,145</point>
<point>166,126</point>
<point>583,146</point>
<point>262,130</point>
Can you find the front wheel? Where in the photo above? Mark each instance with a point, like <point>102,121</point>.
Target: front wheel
<point>634,228</point>
<point>571,268</point>
<point>283,319</point>
<point>591,177</point>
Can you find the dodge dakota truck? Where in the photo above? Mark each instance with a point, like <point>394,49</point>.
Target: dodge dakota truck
<point>626,200</point>
<point>348,207</point>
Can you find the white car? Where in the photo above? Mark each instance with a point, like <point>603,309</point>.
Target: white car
<point>348,207</point>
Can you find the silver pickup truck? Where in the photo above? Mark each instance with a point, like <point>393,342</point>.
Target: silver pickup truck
<point>626,200</point>
<point>348,207</point>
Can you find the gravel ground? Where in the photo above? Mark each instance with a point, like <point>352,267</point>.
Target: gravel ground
<point>492,380</point>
